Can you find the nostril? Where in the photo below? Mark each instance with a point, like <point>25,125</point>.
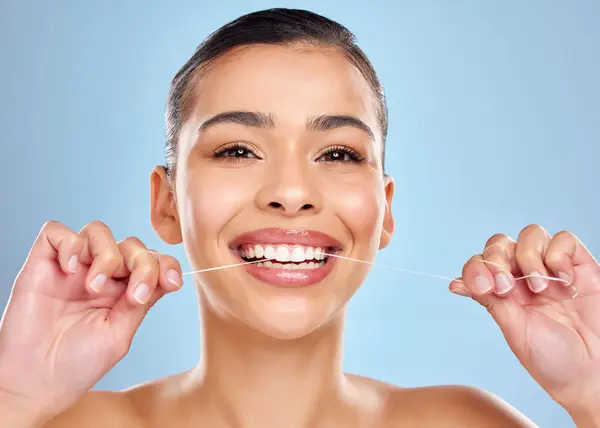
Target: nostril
<point>280,206</point>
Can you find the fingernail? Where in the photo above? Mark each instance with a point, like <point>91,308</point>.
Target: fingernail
<point>536,283</point>
<point>460,291</point>
<point>98,282</point>
<point>72,264</point>
<point>174,278</point>
<point>565,277</point>
<point>141,293</point>
<point>503,283</point>
<point>482,285</point>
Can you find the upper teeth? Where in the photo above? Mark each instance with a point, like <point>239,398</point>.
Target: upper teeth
<point>282,253</point>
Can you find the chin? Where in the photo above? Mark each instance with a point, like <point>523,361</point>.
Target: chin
<point>288,319</point>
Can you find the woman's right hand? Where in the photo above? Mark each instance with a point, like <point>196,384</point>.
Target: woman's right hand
<point>74,310</point>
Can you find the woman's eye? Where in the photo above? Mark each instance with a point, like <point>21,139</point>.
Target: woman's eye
<point>337,156</point>
<point>235,152</point>
<point>341,155</point>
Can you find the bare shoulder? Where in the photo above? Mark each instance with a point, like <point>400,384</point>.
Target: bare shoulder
<point>135,407</point>
<point>98,409</point>
<point>452,406</point>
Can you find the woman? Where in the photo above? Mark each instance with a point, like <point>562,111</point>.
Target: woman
<point>275,147</point>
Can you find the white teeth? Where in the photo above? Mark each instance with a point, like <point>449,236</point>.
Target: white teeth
<point>298,254</point>
<point>258,251</point>
<point>282,254</point>
<point>309,253</point>
<point>269,252</point>
<point>291,266</point>
<point>318,254</point>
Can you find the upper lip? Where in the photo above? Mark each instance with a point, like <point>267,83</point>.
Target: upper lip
<point>275,236</point>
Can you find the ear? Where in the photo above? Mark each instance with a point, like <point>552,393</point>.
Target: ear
<point>163,209</point>
<point>388,219</point>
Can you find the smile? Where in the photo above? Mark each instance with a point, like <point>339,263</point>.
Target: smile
<point>285,256</point>
<point>292,258</point>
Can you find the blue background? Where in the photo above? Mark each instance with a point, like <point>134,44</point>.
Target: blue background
<point>495,124</point>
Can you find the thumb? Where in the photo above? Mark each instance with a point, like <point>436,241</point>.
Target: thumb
<point>125,318</point>
<point>506,312</point>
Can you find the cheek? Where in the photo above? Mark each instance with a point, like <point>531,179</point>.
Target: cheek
<point>209,204</point>
<point>360,207</point>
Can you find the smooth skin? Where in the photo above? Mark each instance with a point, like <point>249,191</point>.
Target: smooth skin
<point>272,357</point>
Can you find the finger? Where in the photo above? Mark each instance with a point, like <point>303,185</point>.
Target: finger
<point>101,252</point>
<point>126,317</point>
<point>57,242</point>
<point>170,276</point>
<point>477,283</point>
<point>457,286</point>
<point>128,313</point>
<point>499,257</point>
<point>566,251</point>
<point>532,244</point>
<point>144,268</point>
<point>477,278</point>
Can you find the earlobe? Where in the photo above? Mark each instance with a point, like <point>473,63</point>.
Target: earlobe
<point>388,219</point>
<point>163,210</point>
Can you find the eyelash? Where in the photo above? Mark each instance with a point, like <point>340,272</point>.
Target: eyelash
<point>352,154</point>
<point>221,152</point>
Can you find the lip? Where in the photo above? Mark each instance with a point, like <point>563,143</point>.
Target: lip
<point>277,236</point>
<point>285,277</point>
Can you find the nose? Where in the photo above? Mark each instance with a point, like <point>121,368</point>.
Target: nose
<point>290,191</point>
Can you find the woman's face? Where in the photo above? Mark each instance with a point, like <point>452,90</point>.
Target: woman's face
<point>280,155</point>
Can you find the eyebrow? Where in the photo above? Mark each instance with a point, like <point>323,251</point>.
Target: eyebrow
<point>265,121</point>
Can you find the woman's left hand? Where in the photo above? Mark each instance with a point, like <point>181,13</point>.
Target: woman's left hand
<point>552,326</point>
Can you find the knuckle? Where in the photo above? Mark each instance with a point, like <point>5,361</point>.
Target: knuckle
<point>474,259</point>
<point>53,226</point>
<point>75,240</point>
<point>112,260</point>
<point>97,226</point>
<point>564,234</point>
<point>108,257</point>
<point>134,240</point>
<point>497,238</point>
<point>50,224</point>
<point>170,262</point>
<point>532,229</point>
<point>529,256</point>
<point>147,265</point>
<point>552,258</point>
<point>471,263</point>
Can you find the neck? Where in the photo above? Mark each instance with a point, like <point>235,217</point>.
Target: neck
<point>251,380</point>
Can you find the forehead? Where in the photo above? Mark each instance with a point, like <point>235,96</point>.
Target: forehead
<point>291,82</point>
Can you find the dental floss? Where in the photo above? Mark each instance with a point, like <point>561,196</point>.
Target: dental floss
<point>223,267</point>
<point>415,272</point>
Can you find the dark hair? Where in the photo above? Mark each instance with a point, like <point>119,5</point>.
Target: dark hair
<point>275,27</point>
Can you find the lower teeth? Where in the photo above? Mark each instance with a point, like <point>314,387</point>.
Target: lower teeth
<point>291,266</point>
